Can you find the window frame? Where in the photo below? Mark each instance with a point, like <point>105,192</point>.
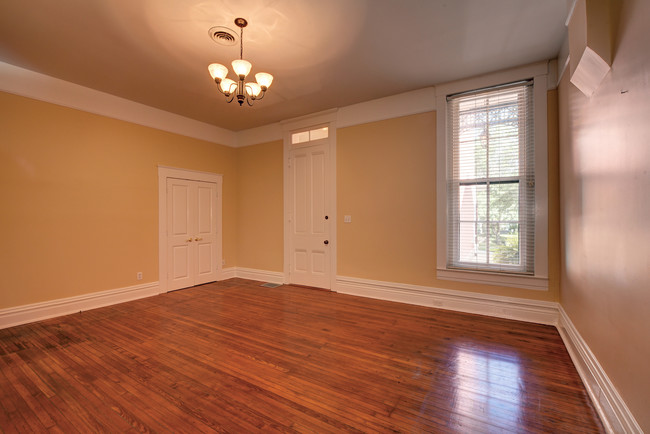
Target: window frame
<point>539,280</point>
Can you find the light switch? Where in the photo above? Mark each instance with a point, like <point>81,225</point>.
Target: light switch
<point>347,219</point>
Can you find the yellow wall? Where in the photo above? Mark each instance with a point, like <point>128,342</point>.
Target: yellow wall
<point>605,216</point>
<point>79,195</point>
<point>386,180</point>
<point>81,214</point>
<point>260,203</point>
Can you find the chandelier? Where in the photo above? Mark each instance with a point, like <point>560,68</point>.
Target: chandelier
<point>244,91</point>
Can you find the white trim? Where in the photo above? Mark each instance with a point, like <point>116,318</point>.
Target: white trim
<point>263,134</point>
<point>229,273</point>
<point>164,173</point>
<point>540,101</point>
<point>571,8</point>
<point>486,278</point>
<point>14,316</point>
<point>541,312</point>
<point>390,107</point>
<point>611,408</point>
<point>329,118</point>
<point>24,82</point>
<point>539,72</point>
<point>260,275</point>
<point>565,68</point>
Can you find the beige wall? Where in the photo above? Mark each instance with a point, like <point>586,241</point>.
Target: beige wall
<point>260,237</point>
<point>605,212</point>
<point>81,201</point>
<point>79,195</point>
<point>386,181</point>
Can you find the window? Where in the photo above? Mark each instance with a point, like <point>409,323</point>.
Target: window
<point>491,180</point>
<point>309,135</point>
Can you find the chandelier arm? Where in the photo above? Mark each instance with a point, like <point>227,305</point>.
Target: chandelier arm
<point>216,80</point>
<point>232,97</point>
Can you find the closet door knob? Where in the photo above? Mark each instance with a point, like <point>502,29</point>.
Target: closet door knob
<point>198,239</point>
<point>327,242</point>
<point>188,241</point>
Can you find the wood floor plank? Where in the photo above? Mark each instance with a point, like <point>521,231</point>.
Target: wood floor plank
<point>232,356</point>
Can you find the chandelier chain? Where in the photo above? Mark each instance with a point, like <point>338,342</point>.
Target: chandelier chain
<point>241,42</point>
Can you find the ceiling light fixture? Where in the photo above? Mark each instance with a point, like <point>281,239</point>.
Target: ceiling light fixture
<point>244,91</point>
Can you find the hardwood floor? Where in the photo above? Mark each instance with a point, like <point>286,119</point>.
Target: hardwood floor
<point>236,357</point>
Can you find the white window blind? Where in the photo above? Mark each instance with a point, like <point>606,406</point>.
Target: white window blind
<point>491,180</point>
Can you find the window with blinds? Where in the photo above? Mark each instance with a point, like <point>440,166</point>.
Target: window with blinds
<point>491,180</point>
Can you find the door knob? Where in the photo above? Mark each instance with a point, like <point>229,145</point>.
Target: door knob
<point>198,239</point>
<point>188,241</point>
<point>327,242</point>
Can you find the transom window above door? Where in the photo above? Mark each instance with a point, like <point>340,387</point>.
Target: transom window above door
<point>309,135</point>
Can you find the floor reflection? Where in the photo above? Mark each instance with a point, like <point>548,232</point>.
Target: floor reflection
<point>488,385</point>
<point>484,389</point>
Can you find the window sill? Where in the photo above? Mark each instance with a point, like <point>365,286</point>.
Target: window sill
<point>499,279</point>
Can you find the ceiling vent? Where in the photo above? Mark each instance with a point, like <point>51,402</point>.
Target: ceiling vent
<point>223,35</point>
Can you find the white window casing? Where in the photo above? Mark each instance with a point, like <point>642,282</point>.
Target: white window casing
<point>531,271</point>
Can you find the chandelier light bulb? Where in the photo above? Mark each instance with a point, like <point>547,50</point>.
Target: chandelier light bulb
<point>228,86</point>
<point>253,89</point>
<point>264,79</point>
<point>218,71</point>
<point>241,67</point>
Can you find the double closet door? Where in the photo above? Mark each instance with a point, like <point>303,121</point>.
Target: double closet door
<point>191,233</point>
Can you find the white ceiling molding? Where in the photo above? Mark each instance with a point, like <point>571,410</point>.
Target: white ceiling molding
<point>257,135</point>
<point>403,104</point>
<point>23,82</point>
<point>45,88</point>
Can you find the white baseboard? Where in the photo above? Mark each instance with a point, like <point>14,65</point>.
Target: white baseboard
<point>261,275</point>
<point>611,408</point>
<point>228,273</point>
<point>63,306</point>
<point>541,312</point>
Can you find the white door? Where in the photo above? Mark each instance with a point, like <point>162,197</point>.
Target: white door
<point>309,219</point>
<point>191,233</point>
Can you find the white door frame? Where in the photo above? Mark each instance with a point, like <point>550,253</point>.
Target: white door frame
<point>328,118</point>
<point>164,173</point>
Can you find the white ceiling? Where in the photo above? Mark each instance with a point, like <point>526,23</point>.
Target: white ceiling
<point>322,53</point>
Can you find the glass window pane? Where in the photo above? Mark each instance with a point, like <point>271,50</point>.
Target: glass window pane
<point>467,240</point>
<point>504,202</point>
<point>504,243</point>
<point>300,137</point>
<point>318,133</point>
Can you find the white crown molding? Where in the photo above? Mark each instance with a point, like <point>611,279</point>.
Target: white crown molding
<point>394,106</point>
<point>14,316</point>
<point>541,312</point>
<point>263,134</point>
<point>38,86</point>
<point>24,82</point>
<point>610,406</point>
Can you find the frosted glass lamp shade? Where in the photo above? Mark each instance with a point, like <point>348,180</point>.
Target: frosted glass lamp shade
<point>228,86</point>
<point>217,70</point>
<point>264,79</point>
<point>241,67</point>
<point>253,89</point>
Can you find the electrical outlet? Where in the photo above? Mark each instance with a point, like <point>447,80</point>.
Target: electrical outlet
<point>223,262</point>
<point>139,275</point>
